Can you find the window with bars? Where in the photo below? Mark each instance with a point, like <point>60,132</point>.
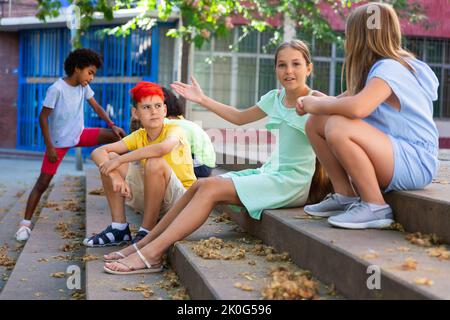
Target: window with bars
<point>242,76</point>
<point>237,77</point>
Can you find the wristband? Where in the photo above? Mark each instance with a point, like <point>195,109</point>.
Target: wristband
<point>111,124</point>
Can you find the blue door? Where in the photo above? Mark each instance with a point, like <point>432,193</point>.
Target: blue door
<point>127,60</point>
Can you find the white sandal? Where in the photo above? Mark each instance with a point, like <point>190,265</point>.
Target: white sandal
<point>147,269</point>
<point>122,256</point>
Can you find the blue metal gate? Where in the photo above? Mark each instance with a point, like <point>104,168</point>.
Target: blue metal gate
<point>127,60</point>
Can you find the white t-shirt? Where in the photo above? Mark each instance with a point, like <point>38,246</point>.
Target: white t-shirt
<point>66,122</point>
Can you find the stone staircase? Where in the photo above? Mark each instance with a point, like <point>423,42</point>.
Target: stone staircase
<point>331,263</point>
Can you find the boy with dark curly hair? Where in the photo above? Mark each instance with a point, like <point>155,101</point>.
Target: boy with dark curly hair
<point>62,123</point>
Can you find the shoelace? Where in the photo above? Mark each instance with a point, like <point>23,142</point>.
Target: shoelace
<point>354,205</point>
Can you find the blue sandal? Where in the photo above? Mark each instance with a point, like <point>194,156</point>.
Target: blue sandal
<point>109,237</point>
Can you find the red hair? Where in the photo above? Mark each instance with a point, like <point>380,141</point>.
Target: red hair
<point>146,89</point>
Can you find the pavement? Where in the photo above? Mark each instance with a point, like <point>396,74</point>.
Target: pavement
<point>20,172</point>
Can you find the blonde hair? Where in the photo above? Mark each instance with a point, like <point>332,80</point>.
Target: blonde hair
<point>364,46</point>
<point>297,45</point>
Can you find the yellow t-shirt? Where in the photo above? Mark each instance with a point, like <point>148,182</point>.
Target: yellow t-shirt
<point>179,159</point>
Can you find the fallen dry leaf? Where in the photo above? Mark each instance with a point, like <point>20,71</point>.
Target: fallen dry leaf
<point>439,252</point>
<point>5,260</point>
<point>308,217</point>
<point>224,217</point>
<point>145,289</point>
<point>409,264</point>
<point>58,275</point>
<point>286,284</point>
<point>396,227</point>
<point>97,192</point>
<point>371,254</point>
<point>244,287</point>
<point>423,240</point>
<point>278,257</point>
<point>78,295</point>
<point>214,248</point>
<point>180,294</point>
<point>89,257</point>
<point>424,281</point>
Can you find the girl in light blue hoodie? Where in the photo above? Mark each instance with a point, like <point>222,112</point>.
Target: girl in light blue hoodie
<point>379,134</point>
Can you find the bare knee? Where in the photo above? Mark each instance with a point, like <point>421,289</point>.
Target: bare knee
<point>315,125</point>
<point>336,130</point>
<point>42,185</point>
<point>210,187</point>
<point>310,126</point>
<point>156,166</point>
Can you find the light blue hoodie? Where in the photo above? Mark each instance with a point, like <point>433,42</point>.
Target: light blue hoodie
<point>412,130</point>
<point>416,92</point>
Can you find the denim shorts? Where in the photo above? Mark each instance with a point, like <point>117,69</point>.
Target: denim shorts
<point>414,165</point>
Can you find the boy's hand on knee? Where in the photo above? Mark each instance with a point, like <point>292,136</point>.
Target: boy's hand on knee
<point>108,166</point>
<point>126,190</point>
<point>119,185</point>
<point>52,155</point>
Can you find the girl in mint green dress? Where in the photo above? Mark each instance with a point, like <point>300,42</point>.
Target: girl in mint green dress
<point>284,181</point>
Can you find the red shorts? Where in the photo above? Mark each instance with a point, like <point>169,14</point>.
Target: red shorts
<point>88,138</point>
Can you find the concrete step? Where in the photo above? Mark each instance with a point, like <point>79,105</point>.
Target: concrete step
<point>203,278</point>
<point>342,257</point>
<point>426,211</point>
<point>10,248</point>
<point>8,197</point>
<point>103,286</point>
<point>53,247</point>
<point>246,278</point>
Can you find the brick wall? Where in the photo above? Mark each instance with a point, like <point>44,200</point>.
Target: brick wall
<point>9,61</point>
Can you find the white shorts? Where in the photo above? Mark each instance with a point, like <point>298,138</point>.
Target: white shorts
<point>135,179</point>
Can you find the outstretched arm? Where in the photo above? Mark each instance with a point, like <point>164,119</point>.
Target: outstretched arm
<point>193,92</point>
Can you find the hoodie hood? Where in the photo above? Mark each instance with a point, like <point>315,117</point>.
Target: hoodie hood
<point>426,78</point>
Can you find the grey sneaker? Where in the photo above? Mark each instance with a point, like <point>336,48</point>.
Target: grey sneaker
<point>330,206</point>
<point>360,216</point>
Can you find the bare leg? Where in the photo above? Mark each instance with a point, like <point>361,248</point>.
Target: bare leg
<point>364,152</point>
<point>156,179</point>
<point>115,199</point>
<point>162,225</point>
<point>39,188</point>
<point>211,191</point>
<point>315,129</point>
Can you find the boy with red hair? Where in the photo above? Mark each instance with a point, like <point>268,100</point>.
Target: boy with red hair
<point>151,168</point>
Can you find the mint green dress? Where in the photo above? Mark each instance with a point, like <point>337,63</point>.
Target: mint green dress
<point>286,176</point>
